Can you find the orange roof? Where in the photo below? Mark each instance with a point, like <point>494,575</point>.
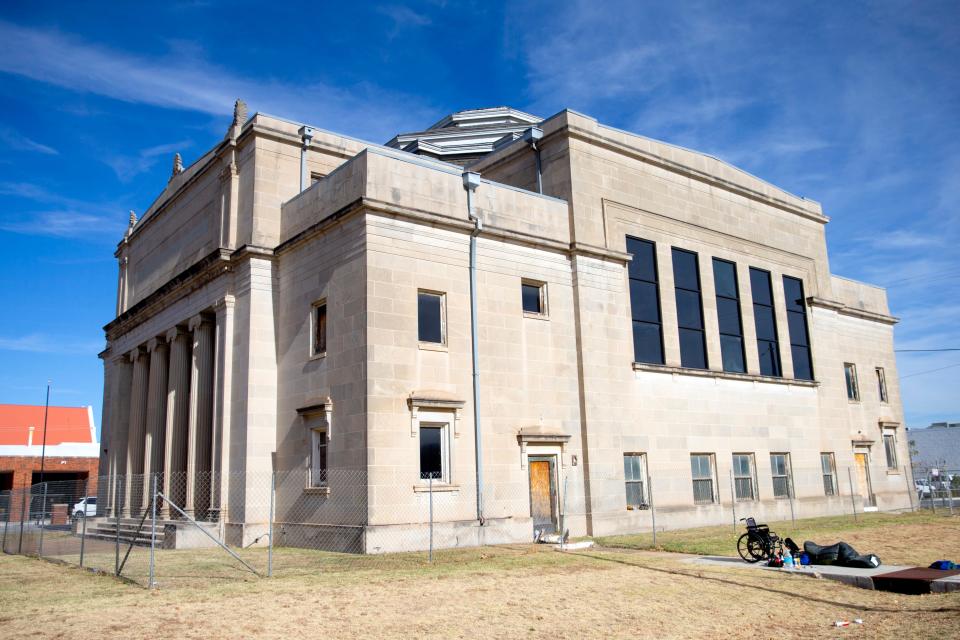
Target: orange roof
<point>64,424</point>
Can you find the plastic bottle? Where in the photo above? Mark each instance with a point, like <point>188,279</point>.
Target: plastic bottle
<point>787,560</point>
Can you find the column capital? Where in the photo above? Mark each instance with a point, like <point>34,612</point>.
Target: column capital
<point>226,302</point>
<point>135,353</point>
<point>156,342</point>
<point>172,334</point>
<point>198,320</point>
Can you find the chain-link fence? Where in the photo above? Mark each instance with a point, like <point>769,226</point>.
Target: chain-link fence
<point>176,528</point>
<point>937,488</point>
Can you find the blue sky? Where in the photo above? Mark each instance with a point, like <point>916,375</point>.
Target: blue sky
<point>855,105</point>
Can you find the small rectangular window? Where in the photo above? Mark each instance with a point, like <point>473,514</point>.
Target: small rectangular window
<point>701,469</point>
<point>534,297</point>
<point>890,446</point>
<point>829,469</point>
<point>433,464</point>
<point>318,458</point>
<point>780,470</point>
<point>850,376</point>
<point>881,384</point>
<point>430,317</point>
<point>728,316</point>
<point>743,476</point>
<point>635,478</point>
<point>319,328</point>
<point>768,346</point>
<point>797,324</point>
<point>686,279</point>
<point>645,301</point>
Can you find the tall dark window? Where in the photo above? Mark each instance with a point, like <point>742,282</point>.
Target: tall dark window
<point>645,302</point>
<point>686,279</point>
<point>728,315</point>
<point>767,345</point>
<point>430,317</point>
<point>799,335</point>
<point>319,328</point>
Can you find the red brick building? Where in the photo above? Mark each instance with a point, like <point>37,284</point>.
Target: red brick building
<point>72,450</point>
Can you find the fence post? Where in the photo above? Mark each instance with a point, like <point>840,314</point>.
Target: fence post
<point>430,485</point>
<point>6,524</point>
<point>793,516</point>
<point>83,525</point>
<point>43,513</point>
<point>273,490</point>
<point>23,507</point>
<point>653,510</point>
<point>563,511</point>
<point>116,512</point>
<point>853,502</point>
<point>153,531</point>
<point>910,486</point>
<point>733,501</point>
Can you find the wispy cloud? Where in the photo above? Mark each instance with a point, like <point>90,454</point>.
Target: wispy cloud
<point>127,167</point>
<point>191,83</point>
<point>404,17</point>
<point>44,343</point>
<point>58,216</point>
<point>18,142</point>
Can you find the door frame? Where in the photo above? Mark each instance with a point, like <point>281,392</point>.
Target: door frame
<point>553,460</point>
<point>869,500</point>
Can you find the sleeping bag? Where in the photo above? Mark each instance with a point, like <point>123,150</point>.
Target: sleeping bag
<point>840,554</point>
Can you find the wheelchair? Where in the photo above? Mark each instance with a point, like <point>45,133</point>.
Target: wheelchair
<point>758,543</point>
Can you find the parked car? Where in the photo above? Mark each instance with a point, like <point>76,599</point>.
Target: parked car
<point>84,508</point>
<point>923,489</point>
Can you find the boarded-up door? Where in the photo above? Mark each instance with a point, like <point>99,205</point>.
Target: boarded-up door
<point>543,494</point>
<point>863,478</point>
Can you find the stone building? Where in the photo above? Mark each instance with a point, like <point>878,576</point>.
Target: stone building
<point>640,316</point>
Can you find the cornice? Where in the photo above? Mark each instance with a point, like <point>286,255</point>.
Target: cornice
<point>853,312</point>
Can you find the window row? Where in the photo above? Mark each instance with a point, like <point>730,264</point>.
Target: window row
<point>431,315</point>
<point>853,385</point>
<point>647,317</point>
<point>703,475</point>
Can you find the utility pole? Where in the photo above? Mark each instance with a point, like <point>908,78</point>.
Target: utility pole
<point>43,450</point>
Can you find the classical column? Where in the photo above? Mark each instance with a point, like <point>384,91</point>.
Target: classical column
<point>120,394</point>
<point>156,413</point>
<point>132,499</point>
<point>178,408</point>
<point>223,388</point>
<point>200,448</point>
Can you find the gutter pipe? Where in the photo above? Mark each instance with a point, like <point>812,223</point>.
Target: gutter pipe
<point>306,136</point>
<point>471,181</point>
<point>532,136</point>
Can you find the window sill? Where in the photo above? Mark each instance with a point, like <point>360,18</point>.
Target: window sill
<point>723,375</point>
<point>894,472</point>
<point>317,491</point>
<point>638,507</point>
<point>318,356</point>
<point>437,487</point>
<point>432,346</point>
<point>852,401</point>
<point>535,316</point>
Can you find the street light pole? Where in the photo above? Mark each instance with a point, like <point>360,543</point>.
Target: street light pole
<point>43,450</point>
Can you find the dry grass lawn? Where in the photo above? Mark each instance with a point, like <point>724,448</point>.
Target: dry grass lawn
<point>501,592</point>
<point>907,538</point>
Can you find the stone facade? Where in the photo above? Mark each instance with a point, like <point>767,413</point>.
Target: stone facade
<point>212,363</point>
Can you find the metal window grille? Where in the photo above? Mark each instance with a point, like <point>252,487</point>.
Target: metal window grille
<point>634,474</point>
<point>701,467</point>
<point>780,468</point>
<point>743,476</point>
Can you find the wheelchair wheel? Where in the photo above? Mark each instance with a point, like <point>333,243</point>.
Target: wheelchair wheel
<point>750,548</point>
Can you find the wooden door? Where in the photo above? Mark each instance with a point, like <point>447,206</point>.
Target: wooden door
<point>863,478</point>
<point>543,494</point>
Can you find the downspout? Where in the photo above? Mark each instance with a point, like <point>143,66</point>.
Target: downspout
<point>306,135</point>
<point>532,136</point>
<point>471,181</point>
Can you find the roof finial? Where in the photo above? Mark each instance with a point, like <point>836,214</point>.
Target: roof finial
<point>133,218</point>
<point>239,113</point>
<point>177,165</point>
